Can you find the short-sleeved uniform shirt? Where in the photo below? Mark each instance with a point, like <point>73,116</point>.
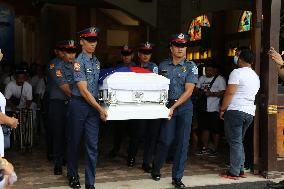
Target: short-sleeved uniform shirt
<point>180,74</point>
<point>48,73</point>
<point>151,66</point>
<point>86,69</point>
<point>61,74</point>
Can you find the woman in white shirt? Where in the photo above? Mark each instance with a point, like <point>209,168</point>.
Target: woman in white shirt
<point>8,170</point>
<point>238,110</point>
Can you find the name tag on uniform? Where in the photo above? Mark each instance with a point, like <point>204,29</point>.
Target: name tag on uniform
<point>89,70</point>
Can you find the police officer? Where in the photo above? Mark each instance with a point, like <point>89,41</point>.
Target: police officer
<point>119,127</point>
<point>147,129</point>
<point>48,126</point>
<point>144,56</point>
<point>60,91</point>
<point>183,76</point>
<point>127,55</point>
<point>84,110</point>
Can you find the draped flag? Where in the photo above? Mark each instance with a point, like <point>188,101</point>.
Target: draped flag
<point>106,72</point>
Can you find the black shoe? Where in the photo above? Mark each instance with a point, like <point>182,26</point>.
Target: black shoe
<point>74,182</point>
<point>177,183</point>
<point>147,168</point>
<point>90,187</point>
<point>131,162</point>
<point>156,177</point>
<point>57,170</point>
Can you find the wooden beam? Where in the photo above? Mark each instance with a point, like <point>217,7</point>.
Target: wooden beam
<point>256,47</point>
<point>269,80</point>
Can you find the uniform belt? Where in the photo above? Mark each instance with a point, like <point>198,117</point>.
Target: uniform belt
<point>82,98</point>
<point>60,100</point>
<point>77,97</point>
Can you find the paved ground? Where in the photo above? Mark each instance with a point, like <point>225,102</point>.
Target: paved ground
<point>35,172</point>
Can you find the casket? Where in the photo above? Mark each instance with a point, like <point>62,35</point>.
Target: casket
<point>129,95</point>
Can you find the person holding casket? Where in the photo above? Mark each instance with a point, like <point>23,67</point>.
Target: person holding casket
<point>84,110</point>
<point>183,75</point>
<point>147,128</point>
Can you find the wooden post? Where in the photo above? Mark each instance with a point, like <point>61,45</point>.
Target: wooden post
<point>269,80</point>
<point>256,47</point>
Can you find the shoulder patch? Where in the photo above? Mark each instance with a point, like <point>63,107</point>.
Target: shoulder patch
<point>58,73</point>
<point>77,66</point>
<point>195,70</point>
<point>156,70</point>
<point>51,66</point>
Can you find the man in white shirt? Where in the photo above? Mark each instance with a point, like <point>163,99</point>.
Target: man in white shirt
<point>214,86</point>
<point>238,110</point>
<point>19,93</point>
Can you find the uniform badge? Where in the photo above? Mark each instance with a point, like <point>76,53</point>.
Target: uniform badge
<point>51,66</point>
<point>181,36</point>
<point>183,69</point>
<point>89,70</point>
<point>98,66</point>
<point>195,70</point>
<point>58,73</point>
<point>156,70</point>
<point>147,45</point>
<point>77,66</point>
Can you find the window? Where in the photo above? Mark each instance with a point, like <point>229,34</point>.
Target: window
<point>195,27</point>
<point>245,23</point>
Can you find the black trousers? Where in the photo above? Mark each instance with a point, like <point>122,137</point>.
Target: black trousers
<point>149,131</point>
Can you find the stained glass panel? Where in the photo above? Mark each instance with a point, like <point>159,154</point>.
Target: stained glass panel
<point>195,27</point>
<point>245,23</point>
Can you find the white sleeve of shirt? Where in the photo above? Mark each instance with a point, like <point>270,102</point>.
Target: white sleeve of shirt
<point>29,91</point>
<point>9,90</point>
<point>222,84</point>
<point>200,81</point>
<point>234,77</point>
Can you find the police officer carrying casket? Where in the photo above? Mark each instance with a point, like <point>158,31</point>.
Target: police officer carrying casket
<point>119,127</point>
<point>183,76</point>
<point>147,129</point>
<point>61,80</point>
<point>84,110</point>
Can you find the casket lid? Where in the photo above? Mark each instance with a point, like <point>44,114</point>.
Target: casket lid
<point>135,81</point>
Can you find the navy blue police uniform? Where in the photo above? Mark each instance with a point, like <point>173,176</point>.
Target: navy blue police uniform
<point>147,129</point>
<point>120,127</point>
<point>47,124</point>
<point>178,128</point>
<point>83,118</point>
<point>60,74</point>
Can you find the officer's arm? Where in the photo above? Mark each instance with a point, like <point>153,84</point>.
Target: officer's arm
<point>85,93</point>
<point>189,87</point>
<point>66,89</point>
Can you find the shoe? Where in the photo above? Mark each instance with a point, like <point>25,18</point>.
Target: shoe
<point>242,174</point>
<point>74,182</point>
<point>89,187</point>
<point>57,170</point>
<point>178,183</point>
<point>131,162</point>
<point>156,177</point>
<point>228,175</point>
<point>203,151</point>
<point>212,153</point>
<point>147,168</point>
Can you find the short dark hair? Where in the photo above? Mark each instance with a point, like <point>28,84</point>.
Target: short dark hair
<point>247,55</point>
<point>241,48</point>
